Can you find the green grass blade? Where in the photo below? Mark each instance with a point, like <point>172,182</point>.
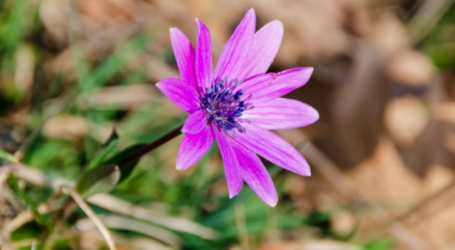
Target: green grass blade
<point>29,202</point>
<point>8,157</point>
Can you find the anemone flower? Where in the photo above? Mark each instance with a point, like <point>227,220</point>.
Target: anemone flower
<point>238,104</point>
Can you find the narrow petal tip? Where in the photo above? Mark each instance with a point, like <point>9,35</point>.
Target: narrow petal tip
<point>180,165</point>
<point>311,115</point>
<point>199,22</point>
<point>272,203</point>
<point>233,193</point>
<point>306,171</point>
<point>310,70</point>
<point>316,115</point>
<point>251,12</point>
<point>174,31</point>
<point>277,23</point>
<point>305,74</point>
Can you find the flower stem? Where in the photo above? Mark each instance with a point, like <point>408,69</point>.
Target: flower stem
<point>150,146</point>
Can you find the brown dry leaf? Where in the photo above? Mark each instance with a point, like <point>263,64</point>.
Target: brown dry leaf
<point>445,112</point>
<point>384,177</point>
<point>356,110</point>
<point>449,141</point>
<point>410,67</point>
<point>405,119</point>
<point>435,222</point>
<point>436,178</point>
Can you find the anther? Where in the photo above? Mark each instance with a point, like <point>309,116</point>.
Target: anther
<point>224,106</point>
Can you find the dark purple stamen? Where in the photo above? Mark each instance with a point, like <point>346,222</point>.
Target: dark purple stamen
<point>224,106</point>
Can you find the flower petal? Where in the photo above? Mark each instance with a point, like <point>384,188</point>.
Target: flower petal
<point>204,65</point>
<point>270,86</point>
<point>281,113</point>
<point>232,58</point>
<point>231,164</point>
<point>180,93</point>
<point>273,148</point>
<point>265,46</point>
<point>193,147</point>
<point>184,55</point>
<point>195,122</point>
<point>255,174</point>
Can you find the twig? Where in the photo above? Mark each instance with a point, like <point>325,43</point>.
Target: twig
<point>119,206</point>
<point>149,147</point>
<point>129,224</point>
<point>87,210</point>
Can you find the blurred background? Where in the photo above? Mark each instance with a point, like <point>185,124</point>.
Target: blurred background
<point>382,154</point>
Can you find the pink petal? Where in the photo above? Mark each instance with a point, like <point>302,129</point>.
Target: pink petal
<point>203,55</point>
<point>233,56</point>
<point>193,147</point>
<point>270,86</point>
<point>281,113</point>
<point>231,164</point>
<point>254,173</point>
<point>184,55</point>
<point>273,148</point>
<point>180,93</point>
<point>265,46</point>
<point>195,122</point>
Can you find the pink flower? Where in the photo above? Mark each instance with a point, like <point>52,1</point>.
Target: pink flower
<point>238,104</point>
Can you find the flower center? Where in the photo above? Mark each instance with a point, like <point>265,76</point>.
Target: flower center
<point>223,105</point>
